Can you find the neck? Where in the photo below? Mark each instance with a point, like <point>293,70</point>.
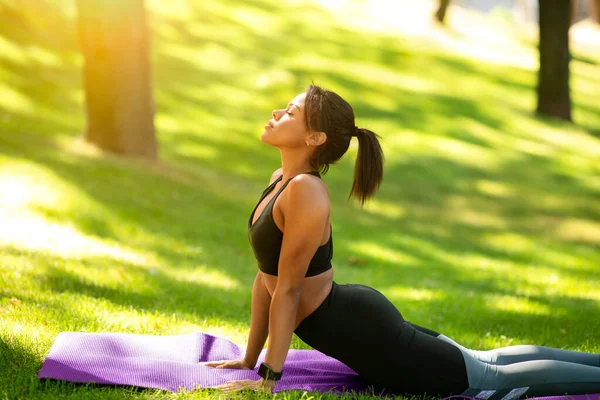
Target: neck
<point>294,163</point>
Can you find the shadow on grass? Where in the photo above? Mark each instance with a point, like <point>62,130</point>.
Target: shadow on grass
<point>19,367</point>
<point>193,211</point>
<point>142,289</point>
<point>41,65</point>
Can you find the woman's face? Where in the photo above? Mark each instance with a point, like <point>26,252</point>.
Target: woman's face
<point>287,128</point>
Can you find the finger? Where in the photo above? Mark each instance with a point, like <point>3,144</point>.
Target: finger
<point>227,384</point>
<point>211,363</point>
<point>242,386</point>
<point>223,386</point>
<point>237,385</point>
<point>230,387</point>
<point>249,384</point>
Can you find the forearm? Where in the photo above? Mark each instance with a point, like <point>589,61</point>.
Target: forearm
<point>282,319</point>
<point>259,325</point>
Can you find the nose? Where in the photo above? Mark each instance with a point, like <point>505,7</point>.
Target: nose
<point>277,114</point>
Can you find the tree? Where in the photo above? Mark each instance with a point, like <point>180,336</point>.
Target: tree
<point>595,10</point>
<point>440,14</point>
<point>553,77</point>
<point>116,73</point>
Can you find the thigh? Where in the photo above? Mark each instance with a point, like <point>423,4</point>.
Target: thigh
<point>487,357</point>
<point>402,357</point>
<point>360,327</point>
<point>431,365</point>
<point>424,330</point>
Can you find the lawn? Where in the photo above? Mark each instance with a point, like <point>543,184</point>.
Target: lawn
<point>486,227</point>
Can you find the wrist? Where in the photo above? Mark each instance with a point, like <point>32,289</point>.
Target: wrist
<point>267,373</point>
<point>251,364</point>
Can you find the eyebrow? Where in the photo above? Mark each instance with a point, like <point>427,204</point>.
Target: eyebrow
<point>295,105</point>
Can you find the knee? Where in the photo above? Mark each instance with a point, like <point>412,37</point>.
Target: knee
<point>486,356</point>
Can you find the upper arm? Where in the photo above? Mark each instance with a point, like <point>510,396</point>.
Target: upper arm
<point>305,210</point>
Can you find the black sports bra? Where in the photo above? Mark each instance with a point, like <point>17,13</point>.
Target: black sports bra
<point>266,238</point>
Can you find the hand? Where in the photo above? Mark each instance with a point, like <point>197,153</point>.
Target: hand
<point>247,384</point>
<point>228,364</point>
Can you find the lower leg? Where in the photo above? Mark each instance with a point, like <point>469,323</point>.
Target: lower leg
<point>519,353</point>
<point>533,378</point>
<point>543,377</point>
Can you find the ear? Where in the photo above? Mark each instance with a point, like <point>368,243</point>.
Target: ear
<point>316,138</point>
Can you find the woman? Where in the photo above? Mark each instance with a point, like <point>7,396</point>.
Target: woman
<point>294,291</point>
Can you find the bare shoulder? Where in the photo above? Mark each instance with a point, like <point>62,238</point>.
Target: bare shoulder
<point>308,192</point>
<point>275,175</point>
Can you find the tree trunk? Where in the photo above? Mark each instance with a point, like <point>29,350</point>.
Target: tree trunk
<point>553,77</point>
<point>440,14</point>
<point>119,106</point>
<point>595,10</point>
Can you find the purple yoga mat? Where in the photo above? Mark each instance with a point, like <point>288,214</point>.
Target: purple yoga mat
<point>172,363</point>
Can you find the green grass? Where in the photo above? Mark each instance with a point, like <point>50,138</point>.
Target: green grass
<point>486,227</point>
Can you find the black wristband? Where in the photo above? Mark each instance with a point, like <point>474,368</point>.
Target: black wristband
<point>266,372</point>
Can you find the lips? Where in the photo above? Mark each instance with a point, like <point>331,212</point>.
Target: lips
<point>270,124</point>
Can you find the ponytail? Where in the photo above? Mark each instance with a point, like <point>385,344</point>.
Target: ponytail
<point>325,111</point>
<point>368,168</point>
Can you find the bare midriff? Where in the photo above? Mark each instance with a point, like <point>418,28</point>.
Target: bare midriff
<point>314,290</point>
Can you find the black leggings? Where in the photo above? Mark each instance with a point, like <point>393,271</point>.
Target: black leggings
<point>360,327</point>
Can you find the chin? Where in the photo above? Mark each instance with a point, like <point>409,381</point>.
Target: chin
<point>265,138</point>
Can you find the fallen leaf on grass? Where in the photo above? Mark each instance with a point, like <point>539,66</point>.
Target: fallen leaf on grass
<point>15,302</point>
<point>356,261</point>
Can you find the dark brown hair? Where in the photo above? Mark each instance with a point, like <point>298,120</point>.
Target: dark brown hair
<point>325,111</point>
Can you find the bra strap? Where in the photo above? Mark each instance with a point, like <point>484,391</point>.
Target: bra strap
<point>269,188</point>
